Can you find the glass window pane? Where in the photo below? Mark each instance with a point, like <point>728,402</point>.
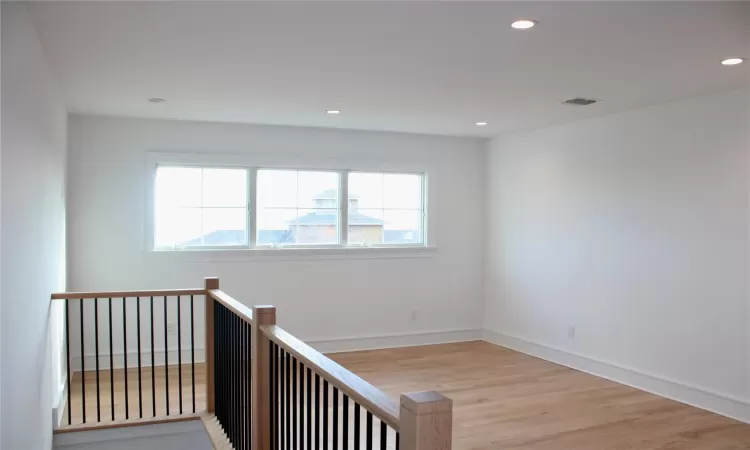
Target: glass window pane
<point>177,187</point>
<point>224,187</point>
<point>402,191</point>
<point>177,227</point>
<point>402,226</point>
<point>365,190</point>
<point>191,207</point>
<point>298,207</point>
<point>317,226</point>
<point>366,227</point>
<point>277,188</point>
<point>276,226</point>
<point>318,189</point>
<point>224,226</point>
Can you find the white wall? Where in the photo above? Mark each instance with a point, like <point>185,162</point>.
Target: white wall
<point>633,228</point>
<point>32,236</point>
<point>317,299</point>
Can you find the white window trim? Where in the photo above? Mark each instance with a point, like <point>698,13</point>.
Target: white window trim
<point>252,162</point>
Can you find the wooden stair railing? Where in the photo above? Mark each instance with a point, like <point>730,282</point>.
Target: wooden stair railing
<point>264,388</point>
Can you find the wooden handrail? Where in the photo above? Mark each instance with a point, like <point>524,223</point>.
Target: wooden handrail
<point>128,294</point>
<point>362,392</point>
<point>235,306</point>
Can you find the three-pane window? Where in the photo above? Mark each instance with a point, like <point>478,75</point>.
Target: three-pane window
<point>203,207</point>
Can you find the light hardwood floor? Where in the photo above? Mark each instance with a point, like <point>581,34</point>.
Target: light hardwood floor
<point>146,398</point>
<point>502,400</point>
<point>507,400</point>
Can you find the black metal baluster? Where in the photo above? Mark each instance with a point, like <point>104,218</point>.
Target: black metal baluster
<point>230,386</point>
<point>125,354</point>
<point>238,377</point>
<point>138,329</point>
<point>335,419</point>
<point>67,355</point>
<point>325,415</point>
<point>192,348</point>
<point>345,424</point>
<point>398,440</point>
<point>179,347</point>
<point>317,412</point>
<point>368,442</point>
<point>96,355</point>
<point>83,368</point>
<point>248,389</point>
<point>232,377</point>
<point>217,364</point>
<point>225,367</point>
<point>294,403</point>
<point>219,315</point>
<point>287,380</point>
<point>356,425</point>
<point>280,388</point>
<point>243,384</point>
<point>309,409</point>
<point>111,365</point>
<point>166,357</point>
<point>277,403</point>
<point>249,371</point>
<point>272,386</point>
<point>236,395</point>
<point>217,358</point>
<point>302,406</point>
<point>153,372</point>
<point>383,435</point>
<point>233,374</point>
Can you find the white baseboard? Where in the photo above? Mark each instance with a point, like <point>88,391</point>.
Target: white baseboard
<point>351,344</point>
<point>333,345</point>
<point>59,409</point>
<point>118,361</point>
<point>718,403</point>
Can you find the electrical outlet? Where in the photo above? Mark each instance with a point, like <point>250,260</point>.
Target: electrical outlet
<point>414,315</point>
<point>172,328</point>
<point>571,331</point>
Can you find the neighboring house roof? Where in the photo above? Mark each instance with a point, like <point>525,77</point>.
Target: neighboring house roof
<point>322,218</point>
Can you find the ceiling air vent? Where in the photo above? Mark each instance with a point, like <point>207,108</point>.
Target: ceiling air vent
<point>578,101</point>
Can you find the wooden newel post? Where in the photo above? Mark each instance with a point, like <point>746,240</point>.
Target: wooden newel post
<point>210,284</point>
<point>426,421</point>
<point>261,380</point>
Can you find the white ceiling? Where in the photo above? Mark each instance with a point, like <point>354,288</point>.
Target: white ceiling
<point>425,67</point>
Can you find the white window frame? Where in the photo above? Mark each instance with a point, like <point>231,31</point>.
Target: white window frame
<point>253,163</point>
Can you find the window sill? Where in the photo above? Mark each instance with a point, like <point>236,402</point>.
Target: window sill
<point>295,254</point>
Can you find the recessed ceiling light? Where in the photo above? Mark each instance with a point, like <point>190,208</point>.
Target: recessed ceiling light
<point>523,24</point>
<point>333,111</point>
<point>732,61</point>
<point>156,100</point>
<point>481,124</point>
